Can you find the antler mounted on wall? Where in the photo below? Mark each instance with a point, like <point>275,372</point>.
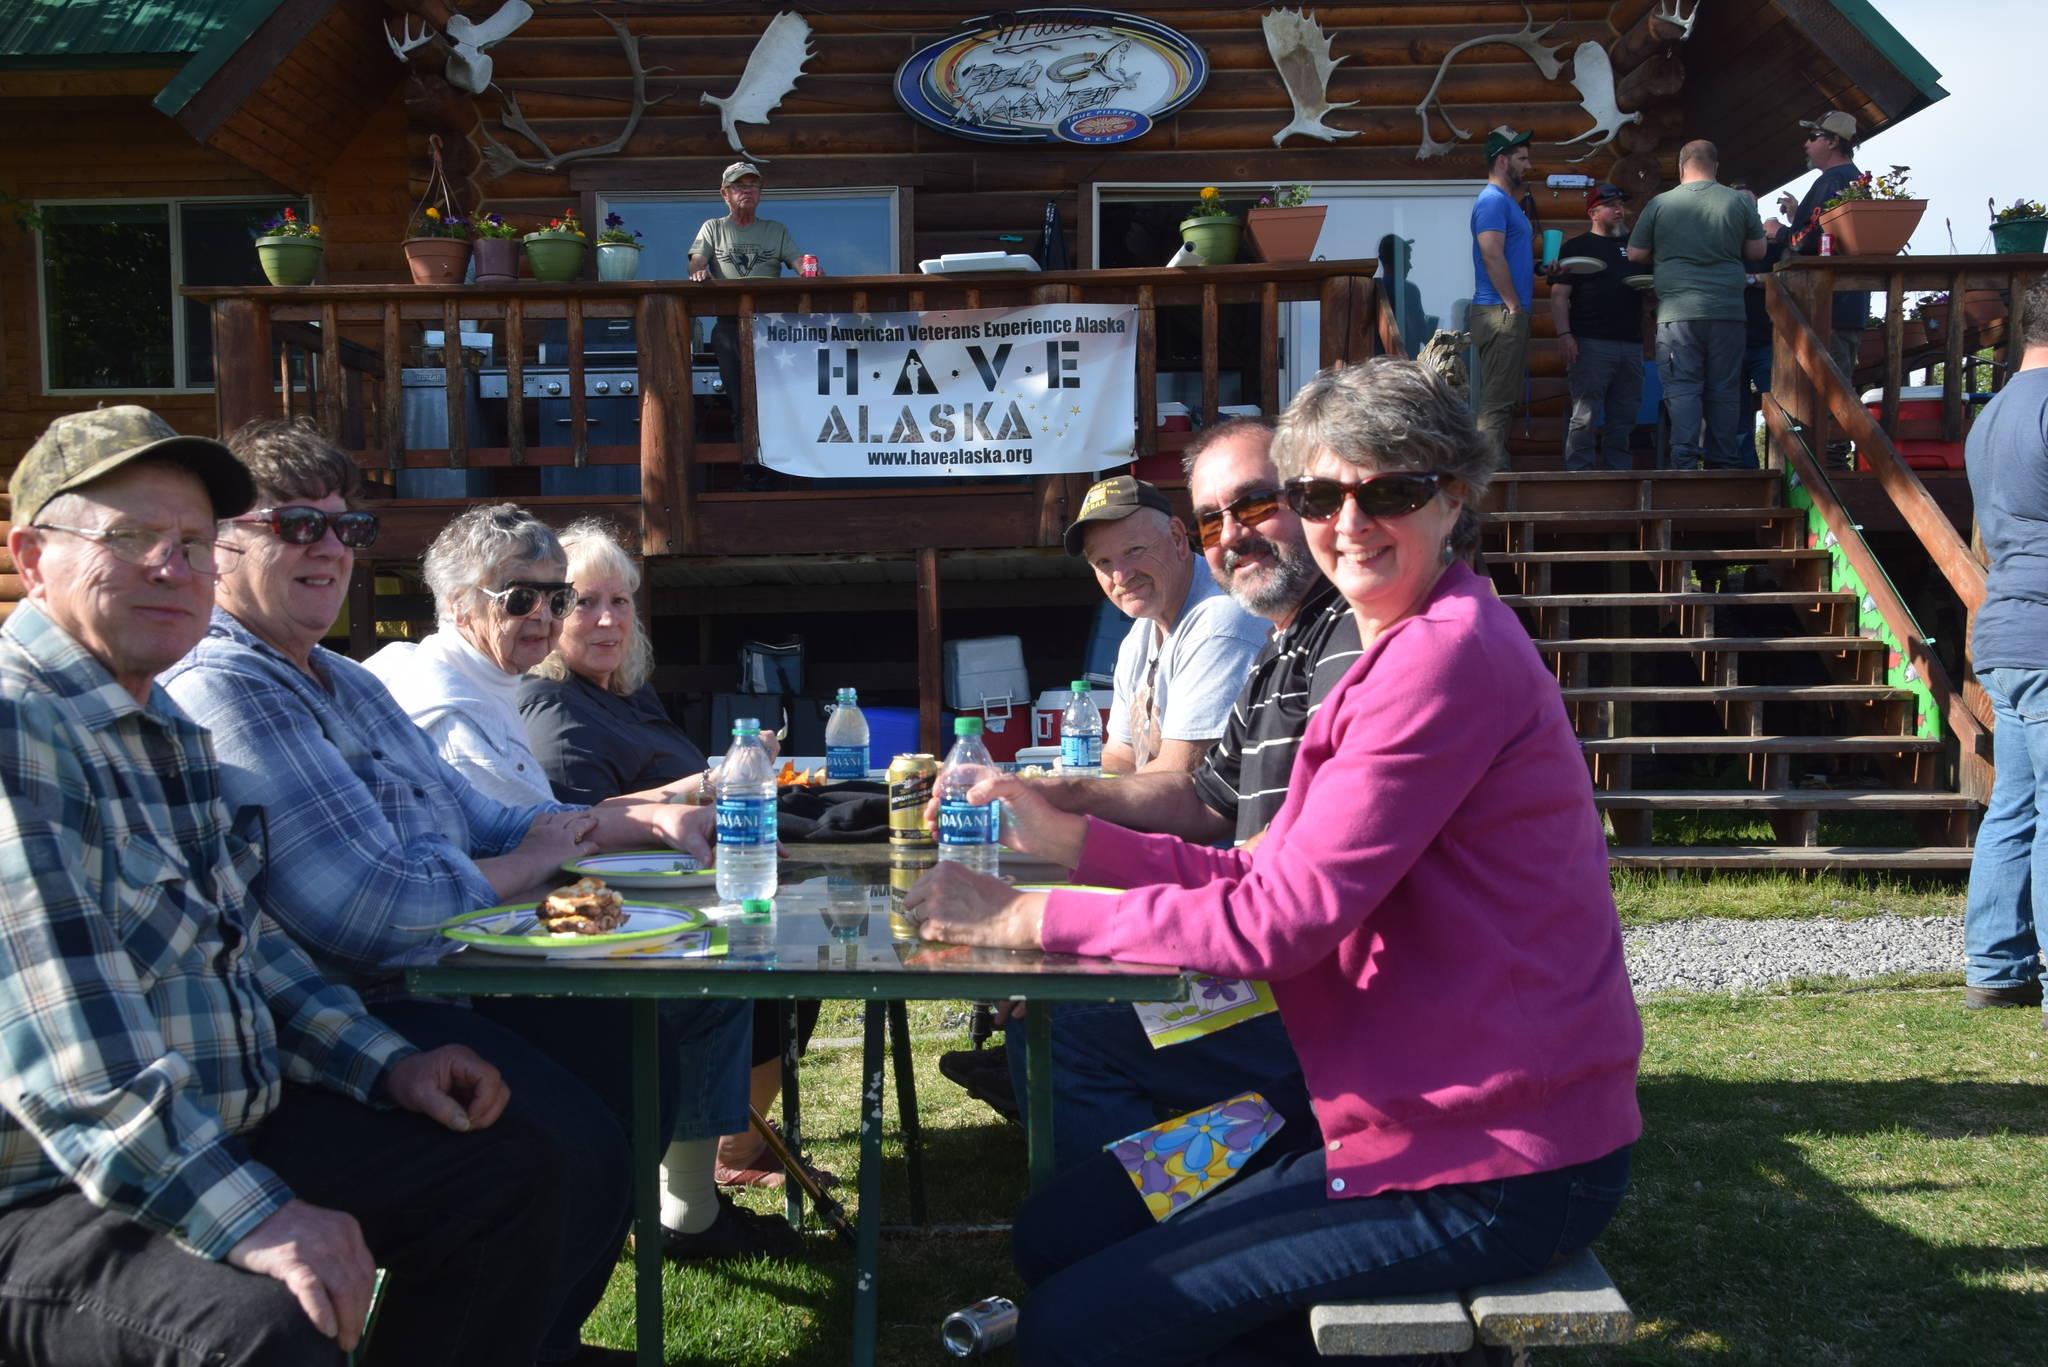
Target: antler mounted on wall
<point>1670,12</point>
<point>502,159</point>
<point>771,72</point>
<point>1528,38</point>
<point>467,65</point>
<point>1301,54</point>
<point>1593,77</point>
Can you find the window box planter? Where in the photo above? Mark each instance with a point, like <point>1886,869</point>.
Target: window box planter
<point>1872,227</point>
<point>1285,234</point>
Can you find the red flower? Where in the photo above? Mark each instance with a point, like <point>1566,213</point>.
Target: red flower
<point>290,217</point>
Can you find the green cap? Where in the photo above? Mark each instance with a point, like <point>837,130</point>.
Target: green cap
<point>1080,686</point>
<point>79,448</point>
<point>967,726</point>
<point>1504,139</point>
<point>757,908</point>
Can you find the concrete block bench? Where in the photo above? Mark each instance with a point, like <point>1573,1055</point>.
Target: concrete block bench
<point>1572,1303</point>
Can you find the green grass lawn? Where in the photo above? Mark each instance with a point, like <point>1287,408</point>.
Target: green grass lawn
<point>1849,1177</point>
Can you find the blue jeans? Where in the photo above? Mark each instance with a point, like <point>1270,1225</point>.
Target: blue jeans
<point>1607,389</point>
<point>1700,363</point>
<point>1108,1080</point>
<point>1229,1279</point>
<point>2009,867</point>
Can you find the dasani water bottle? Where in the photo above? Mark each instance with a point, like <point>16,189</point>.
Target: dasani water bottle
<point>1081,732</point>
<point>846,739</point>
<point>746,817</point>
<point>967,833</point>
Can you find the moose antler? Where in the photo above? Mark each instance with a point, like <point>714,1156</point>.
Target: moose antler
<point>399,49</point>
<point>1672,16</point>
<point>1528,38</point>
<point>502,159</point>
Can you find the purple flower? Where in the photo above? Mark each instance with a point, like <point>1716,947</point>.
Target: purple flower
<point>1217,990</point>
<point>614,221</point>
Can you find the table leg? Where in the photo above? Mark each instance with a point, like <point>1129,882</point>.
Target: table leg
<point>792,1112</point>
<point>1038,1093</point>
<point>906,1106</point>
<point>646,1148</point>
<point>867,1249</point>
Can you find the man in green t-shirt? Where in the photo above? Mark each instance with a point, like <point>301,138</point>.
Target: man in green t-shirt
<point>738,246</point>
<point>1701,236</point>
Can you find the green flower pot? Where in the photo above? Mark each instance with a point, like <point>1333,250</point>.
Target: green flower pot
<point>2018,235</point>
<point>1214,237</point>
<point>289,260</point>
<point>556,256</point>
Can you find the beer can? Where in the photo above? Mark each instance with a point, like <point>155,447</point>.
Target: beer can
<point>910,788</point>
<point>1827,244</point>
<point>980,1328</point>
<point>906,866</point>
<point>808,265</point>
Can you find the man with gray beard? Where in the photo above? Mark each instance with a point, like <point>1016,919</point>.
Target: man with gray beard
<point>1108,1078</point>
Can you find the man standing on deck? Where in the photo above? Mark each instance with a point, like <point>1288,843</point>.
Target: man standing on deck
<point>739,246</point>
<point>1599,322</point>
<point>1830,140</point>
<point>1503,284</point>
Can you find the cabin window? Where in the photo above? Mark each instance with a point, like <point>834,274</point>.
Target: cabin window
<point>110,274</point>
<point>852,230</point>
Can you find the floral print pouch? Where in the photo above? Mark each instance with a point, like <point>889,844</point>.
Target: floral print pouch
<point>1175,1164</point>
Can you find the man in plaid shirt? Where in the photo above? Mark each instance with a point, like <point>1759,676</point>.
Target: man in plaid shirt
<point>206,1149</point>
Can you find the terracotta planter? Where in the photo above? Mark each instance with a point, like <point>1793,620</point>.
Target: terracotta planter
<point>2018,235</point>
<point>1213,236</point>
<point>1933,321</point>
<point>1983,307</point>
<point>1913,335</point>
<point>555,256</point>
<point>436,260</point>
<point>1870,350</point>
<point>618,260</point>
<point>289,260</point>
<point>1285,234</point>
<point>1873,227</point>
<point>497,260</point>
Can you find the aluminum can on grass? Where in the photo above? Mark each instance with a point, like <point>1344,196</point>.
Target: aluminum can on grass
<point>910,788</point>
<point>982,1327</point>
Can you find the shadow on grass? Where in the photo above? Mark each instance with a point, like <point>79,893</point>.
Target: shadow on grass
<point>1834,1222</point>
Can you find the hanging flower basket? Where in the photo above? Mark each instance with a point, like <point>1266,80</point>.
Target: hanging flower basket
<point>618,260</point>
<point>1285,234</point>
<point>1214,236</point>
<point>289,260</point>
<point>436,260</point>
<point>555,255</point>
<point>2019,235</point>
<point>1872,227</point>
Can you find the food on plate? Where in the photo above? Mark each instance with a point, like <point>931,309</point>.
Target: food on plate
<point>585,907</point>
<point>793,777</point>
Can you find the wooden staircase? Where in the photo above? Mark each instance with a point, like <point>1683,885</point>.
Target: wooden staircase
<point>1718,681</point>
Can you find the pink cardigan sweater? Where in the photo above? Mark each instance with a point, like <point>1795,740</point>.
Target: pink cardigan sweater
<point>1431,906</point>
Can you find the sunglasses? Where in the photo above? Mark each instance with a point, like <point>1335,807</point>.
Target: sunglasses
<point>1256,506</point>
<point>299,525</point>
<point>1380,496</point>
<point>520,599</point>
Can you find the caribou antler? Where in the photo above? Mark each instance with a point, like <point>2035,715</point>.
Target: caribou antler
<point>1528,38</point>
<point>1682,22</point>
<point>501,159</point>
<point>399,49</point>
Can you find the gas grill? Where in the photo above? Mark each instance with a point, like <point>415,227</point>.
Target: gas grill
<point>611,381</point>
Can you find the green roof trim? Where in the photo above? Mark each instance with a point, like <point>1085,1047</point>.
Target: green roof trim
<point>70,33</point>
<point>1893,47</point>
<point>236,29</point>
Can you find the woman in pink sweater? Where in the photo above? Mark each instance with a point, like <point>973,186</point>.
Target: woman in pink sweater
<point>1432,909</point>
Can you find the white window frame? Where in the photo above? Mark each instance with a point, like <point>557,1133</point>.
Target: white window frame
<point>171,204</point>
<point>621,202</point>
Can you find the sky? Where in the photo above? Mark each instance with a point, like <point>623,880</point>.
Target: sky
<point>1976,144</point>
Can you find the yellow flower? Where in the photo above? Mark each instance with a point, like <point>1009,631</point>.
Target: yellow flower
<point>1211,192</point>
<point>312,230</point>
<point>434,214</point>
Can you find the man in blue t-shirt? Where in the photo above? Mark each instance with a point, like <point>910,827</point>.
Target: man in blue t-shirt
<point>2006,454</point>
<point>1503,283</point>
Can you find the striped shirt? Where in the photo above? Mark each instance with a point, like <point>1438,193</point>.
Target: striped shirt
<point>153,1011</point>
<point>1244,775</point>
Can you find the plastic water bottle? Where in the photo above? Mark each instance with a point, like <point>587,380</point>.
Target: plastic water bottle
<point>1081,733</point>
<point>750,936</point>
<point>967,833</point>
<point>846,739</point>
<point>746,817</point>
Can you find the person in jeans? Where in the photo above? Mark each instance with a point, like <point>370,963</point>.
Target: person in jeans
<point>1701,236</point>
<point>1759,337</point>
<point>1503,283</point>
<point>1433,908</point>
<point>206,1148</point>
<point>1599,322</point>
<point>2006,455</point>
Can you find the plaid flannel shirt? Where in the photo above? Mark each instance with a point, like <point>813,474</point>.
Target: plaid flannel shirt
<point>152,1012</point>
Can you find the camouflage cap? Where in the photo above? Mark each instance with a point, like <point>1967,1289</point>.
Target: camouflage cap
<point>1113,500</point>
<point>79,448</point>
<point>737,170</point>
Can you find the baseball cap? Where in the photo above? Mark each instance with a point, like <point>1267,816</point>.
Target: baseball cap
<point>1113,500</point>
<point>79,448</point>
<point>1834,121</point>
<point>1603,192</point>
<point>736,170</point>
<point>1505,139</point>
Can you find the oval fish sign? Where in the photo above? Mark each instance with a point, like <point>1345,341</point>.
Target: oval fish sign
<point>1047,75</point>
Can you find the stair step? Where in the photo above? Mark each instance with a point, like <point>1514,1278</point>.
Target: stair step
<point>1618,645</point>
<point>1789,857</point>
<point>1760,745</point>
<point>1774,598</point>
<point>1592,518</point>
<point>1713,693</point>
<point>1721,555</point>
<point>1780,800</point>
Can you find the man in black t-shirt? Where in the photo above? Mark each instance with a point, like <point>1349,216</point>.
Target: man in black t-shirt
<point>1599,321</point>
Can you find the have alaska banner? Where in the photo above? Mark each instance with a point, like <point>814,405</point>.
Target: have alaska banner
<point>1044,390</point>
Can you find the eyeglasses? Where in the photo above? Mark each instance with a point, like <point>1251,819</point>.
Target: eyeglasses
<point>299,525</point>
<point>1389,495</point>
<point>149,549</point>
<point>1256,506</point>
<point>519,599</point>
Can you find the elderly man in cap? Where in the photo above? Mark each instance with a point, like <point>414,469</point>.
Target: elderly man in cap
<point>739,246</point>
<point>1503,284</point>
<point>1190,647</point>
<point>205,1148</point>
<point>1599,321</point>
<point>1830,144</point>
